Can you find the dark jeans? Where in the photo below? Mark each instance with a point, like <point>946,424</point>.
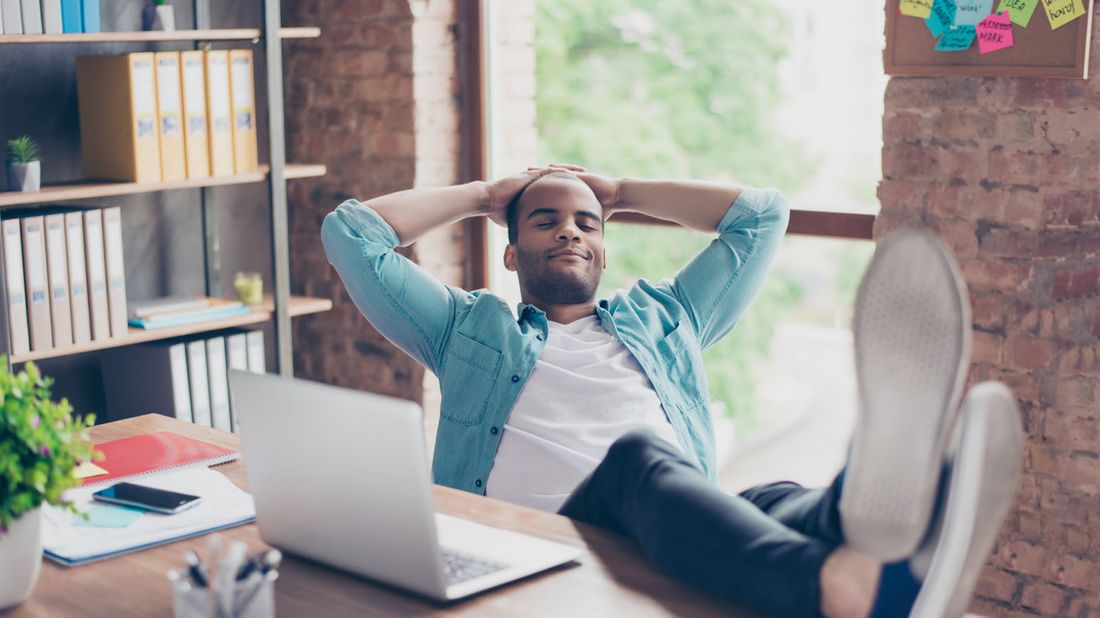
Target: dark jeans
<point>762,549</point>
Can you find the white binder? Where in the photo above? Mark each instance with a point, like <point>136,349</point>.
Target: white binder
<point>51,17</point>
<point>218,383</point>
<point>12,16</point>
<point>256,358</point>
<point>37,282</point>
<point>147,377</point>
<point>236,355</point>
<point>97,275</point>
<point>57,269</point>
<point>32,17</point>
<point>17,297</point>
<point>200,389</point>
<point>78,278</point>
<point>116,271</point>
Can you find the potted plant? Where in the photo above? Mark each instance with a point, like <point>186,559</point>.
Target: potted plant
<point>41,443</point>
<point>24,168</point>
<point>158,15</point>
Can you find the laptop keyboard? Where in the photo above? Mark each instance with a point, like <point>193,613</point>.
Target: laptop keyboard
<point>463,567</point>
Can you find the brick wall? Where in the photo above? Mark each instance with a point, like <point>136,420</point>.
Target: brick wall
<point>374,99</point>
<point>1007,173</point>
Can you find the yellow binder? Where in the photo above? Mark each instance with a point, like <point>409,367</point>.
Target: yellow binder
<point>193,85</point>
<point>219,112</point>
<point>245,158</point>
<point>118,117</point>
<point>170,116</point>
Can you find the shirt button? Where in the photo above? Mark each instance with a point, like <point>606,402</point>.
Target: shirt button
<point>515,379</point>
<point>539,336</point>
<point>494,430</point>
<point>477,483</point>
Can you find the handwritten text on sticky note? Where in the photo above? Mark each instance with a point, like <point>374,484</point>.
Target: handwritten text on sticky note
<point>1019,10</point>
<point>970,12</point>
<point>995,32</point>
<point>942,17</point>
<point>959,38</point>
<point>915,8</point>
<point>1061,12</point>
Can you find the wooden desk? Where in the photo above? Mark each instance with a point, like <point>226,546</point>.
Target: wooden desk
<point>612,579</point>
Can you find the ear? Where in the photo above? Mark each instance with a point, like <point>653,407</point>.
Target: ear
<point>510,258</point>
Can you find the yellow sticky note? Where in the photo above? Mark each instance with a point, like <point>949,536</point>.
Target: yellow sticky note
<point>88,470</point>
<point>918,8</point>
<point>1061,12</point>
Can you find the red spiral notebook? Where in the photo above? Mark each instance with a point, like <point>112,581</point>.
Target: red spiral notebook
<point>155,452</point>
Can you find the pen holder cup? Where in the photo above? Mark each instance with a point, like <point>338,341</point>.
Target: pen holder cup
<point>248,599</point>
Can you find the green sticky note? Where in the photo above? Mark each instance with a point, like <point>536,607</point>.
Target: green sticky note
<point>1020,11</point>
<point>916,8</point>
<point>101,516</point>
<point>1061,12</point>
<point>959,38</point>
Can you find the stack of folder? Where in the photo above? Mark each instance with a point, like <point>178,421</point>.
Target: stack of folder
<point>186,378</point>
<point>169,312</point>
<point>148,117</point>
<point>65,277</point>
<point>48,16</point>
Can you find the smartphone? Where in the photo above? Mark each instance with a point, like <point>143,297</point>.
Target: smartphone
<point>151,498</point>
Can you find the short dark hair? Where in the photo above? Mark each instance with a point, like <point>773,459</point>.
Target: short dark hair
<point>511,211</point>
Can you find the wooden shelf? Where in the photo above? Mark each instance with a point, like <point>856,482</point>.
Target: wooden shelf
<point>299,305</point>
<point>225,34</point>
<point>86,190</point>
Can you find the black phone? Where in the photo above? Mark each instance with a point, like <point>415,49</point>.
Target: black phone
<point>151,498</point>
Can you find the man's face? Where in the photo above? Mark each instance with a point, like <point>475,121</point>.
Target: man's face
<point>559,252</point>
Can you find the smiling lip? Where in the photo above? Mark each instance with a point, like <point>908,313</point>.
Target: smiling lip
<point>568,253</point>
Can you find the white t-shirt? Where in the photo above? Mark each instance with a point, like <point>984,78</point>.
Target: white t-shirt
<point>585,391</point>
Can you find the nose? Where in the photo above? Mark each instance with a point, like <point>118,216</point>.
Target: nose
<point>569,231</point>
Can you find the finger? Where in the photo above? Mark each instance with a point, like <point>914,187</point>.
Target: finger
<point>569,166</point>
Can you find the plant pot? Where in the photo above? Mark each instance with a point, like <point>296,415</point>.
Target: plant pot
<point>166,18</point>
<point>20,558</point>
<point>25,176</point>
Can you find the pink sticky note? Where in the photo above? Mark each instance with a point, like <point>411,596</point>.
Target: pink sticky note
<point>994,32</point>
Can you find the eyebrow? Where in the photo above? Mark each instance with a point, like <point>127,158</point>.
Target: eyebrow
<point>554,211</point>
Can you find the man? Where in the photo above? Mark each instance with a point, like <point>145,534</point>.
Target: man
<point>598,409</point>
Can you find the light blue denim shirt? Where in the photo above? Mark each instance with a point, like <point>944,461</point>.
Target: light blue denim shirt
<point>483,355</point>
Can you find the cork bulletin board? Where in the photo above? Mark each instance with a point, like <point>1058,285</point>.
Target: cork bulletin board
<point>1037,50</point>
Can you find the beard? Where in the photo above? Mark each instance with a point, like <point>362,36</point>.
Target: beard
<point>557,287</point>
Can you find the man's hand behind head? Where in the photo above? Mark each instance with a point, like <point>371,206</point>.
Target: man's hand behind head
<point>499,193</point>
<point>606,188</point>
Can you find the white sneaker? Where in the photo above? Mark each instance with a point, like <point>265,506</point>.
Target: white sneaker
<point>980,488</point>
<point>912,350</point>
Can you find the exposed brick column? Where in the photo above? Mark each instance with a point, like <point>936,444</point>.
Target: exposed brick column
<point>350,105</point>
<point>1006,172</point>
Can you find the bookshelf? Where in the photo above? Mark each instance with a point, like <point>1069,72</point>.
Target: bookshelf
<point>267,40</point>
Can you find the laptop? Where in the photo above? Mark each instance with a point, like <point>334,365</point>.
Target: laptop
<point>341,477</point>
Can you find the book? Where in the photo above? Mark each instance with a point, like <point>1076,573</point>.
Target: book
<point>193,87</point>
<point>89,15</point>
<point>57,269</point>
<point>219,113</point>
<point>71,21</point>
<point>173,165</point>
<point>32,16</point>
<point>166,305</point>
<point>37,283</point>
<point>118,117</point>
<point>147,377</point>
<point>12,16</point>
<point>116,271</point>
<point>242,99</point>
<point>97,274</point>
<point>78,278</point>
<point>157,451</point>
<point>218,310</point>
<point>51,17</point>
<point>18,334</point>
<point>197,377</point>
<point>70,541</point>
<point>218,381</point>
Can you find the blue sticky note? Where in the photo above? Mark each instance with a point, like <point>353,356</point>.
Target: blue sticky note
<point>959,38</point>
<point>942,17</point>
<point>102,516</point>
<point>972,12</point>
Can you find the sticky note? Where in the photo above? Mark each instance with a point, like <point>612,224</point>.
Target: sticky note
<point>970,12</point>
<point>1019,10</point>
<point>88,470</point>
<point>1061,12</point>
<point>915,8</point>
<point>995,32</point>
<point>959,38</point>
<point>942,16</point>
<point>102,516</point>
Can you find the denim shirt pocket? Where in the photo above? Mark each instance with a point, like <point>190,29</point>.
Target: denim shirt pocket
<point>682,360</point>
<point>468,380</point>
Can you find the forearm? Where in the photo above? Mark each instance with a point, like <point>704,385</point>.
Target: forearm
<point>415,212</point>
<point>697,204</point>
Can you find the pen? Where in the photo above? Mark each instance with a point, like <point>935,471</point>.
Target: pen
<point>196,569</point>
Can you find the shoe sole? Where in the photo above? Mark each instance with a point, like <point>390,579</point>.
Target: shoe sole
<point>912,348</point>
<point>981,490</point>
